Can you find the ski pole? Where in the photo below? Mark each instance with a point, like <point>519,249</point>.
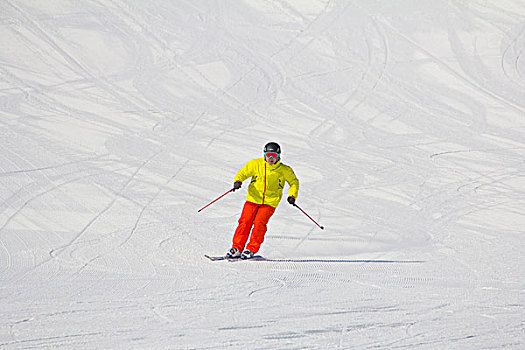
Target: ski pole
<point>298,207</point>
<point>215,200</point>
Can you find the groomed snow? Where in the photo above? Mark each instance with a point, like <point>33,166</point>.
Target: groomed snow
<point>403,120</point>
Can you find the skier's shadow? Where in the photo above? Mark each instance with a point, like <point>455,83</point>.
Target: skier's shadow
<point>340,261</point>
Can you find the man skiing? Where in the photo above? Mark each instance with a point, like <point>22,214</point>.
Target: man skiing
<point>265,191</point>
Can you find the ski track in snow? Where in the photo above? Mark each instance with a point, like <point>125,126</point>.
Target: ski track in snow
<point>404,122</point>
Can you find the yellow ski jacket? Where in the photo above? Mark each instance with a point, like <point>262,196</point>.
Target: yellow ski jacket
<point>267,183</point>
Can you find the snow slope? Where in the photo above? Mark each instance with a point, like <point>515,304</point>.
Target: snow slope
<point>404,121</point>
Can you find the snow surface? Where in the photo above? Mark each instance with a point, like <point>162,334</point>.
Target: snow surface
<point>404,121</point>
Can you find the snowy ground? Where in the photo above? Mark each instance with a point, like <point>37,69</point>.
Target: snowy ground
<point>404,121</point>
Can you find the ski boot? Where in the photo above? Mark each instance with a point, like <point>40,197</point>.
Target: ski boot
<point>246,255</point>
<point>233,253</point>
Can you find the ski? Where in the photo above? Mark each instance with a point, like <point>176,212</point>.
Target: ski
<point>217,258</point>
<point>222,257</point>
<point>254,258</point>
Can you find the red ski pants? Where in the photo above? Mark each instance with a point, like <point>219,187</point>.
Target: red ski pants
<point>256,215</point>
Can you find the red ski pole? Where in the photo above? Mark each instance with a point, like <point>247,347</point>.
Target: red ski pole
<point>215,200</point>
<point>298,207</point>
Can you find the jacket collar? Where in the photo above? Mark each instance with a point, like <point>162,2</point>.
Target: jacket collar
<point>274,166</point>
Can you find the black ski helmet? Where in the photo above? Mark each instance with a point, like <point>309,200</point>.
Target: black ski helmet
<point>272,147</point>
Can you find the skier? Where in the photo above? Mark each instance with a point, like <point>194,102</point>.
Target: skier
<point>265,191</point>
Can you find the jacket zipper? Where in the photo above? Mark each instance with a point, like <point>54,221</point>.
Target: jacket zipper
<point>264,192</point>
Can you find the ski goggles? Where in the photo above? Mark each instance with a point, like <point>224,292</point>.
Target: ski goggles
<point>273,155</point>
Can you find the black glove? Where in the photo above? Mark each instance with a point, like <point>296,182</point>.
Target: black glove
<point>236,185</point>
<point>291,200</point>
